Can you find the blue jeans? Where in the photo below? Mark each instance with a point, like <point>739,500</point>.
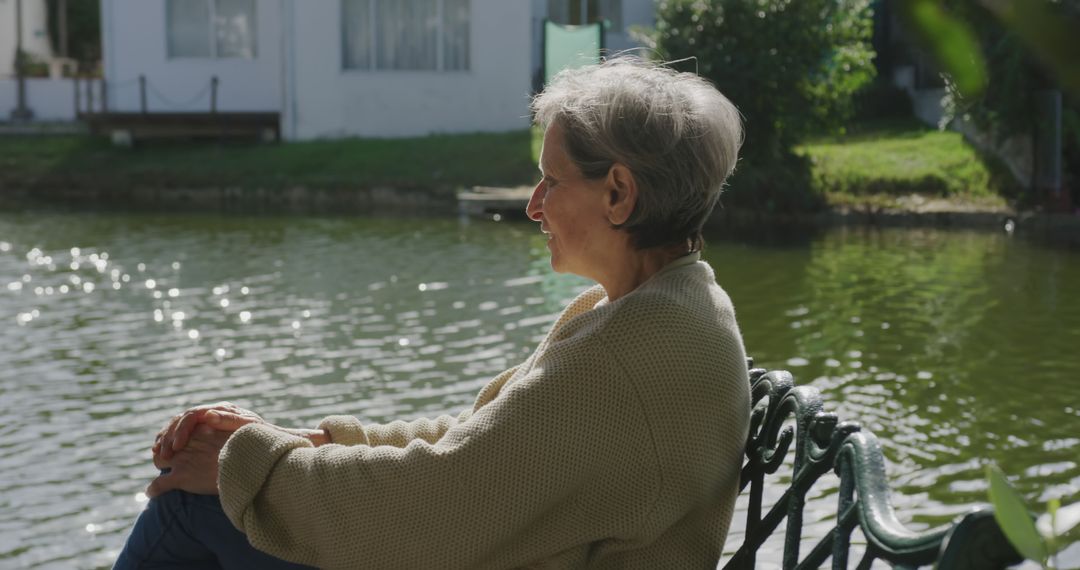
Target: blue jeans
<point>180,530</point>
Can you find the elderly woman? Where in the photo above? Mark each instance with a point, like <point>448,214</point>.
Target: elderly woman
<point>616,444</point>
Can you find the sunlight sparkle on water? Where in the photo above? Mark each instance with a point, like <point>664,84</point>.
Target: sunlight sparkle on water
<point>245,316</point>
<point>193,334</point>
<point>150,283</point>
<point>5,246</point>
<point>174,292</point>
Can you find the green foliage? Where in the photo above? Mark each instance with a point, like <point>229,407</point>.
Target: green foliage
<point>437,162</point>
<point>84,29</point>
<point>790,66</point>
<point>1035,541</point>
<point>951,41</point>
<point>1013,517</point>
<point>1025,52</point>
<point>884,163</point>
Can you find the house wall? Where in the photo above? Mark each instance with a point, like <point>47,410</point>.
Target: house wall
<point>50,99</point>
<point>635,13</point>
<point>331,101</point>
<point>134,43</point>
<point>35,34</point>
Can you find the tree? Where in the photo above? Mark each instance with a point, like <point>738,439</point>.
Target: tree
<point>1020,51</point>
<point>790,66</point>
<point>83,30</point>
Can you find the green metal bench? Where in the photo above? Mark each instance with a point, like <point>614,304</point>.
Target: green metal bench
<point>823,444</point>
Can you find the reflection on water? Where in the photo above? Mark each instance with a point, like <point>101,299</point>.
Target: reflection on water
<point>954,347</point>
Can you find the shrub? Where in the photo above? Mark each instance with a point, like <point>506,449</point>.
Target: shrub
<point>790,66</point>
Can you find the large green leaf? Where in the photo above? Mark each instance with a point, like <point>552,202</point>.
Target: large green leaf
<point>1050,34</point>
<point>952,43</point>
<point>1013,517</point>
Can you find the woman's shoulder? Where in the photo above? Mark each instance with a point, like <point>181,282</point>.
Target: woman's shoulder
<point>689,291</point>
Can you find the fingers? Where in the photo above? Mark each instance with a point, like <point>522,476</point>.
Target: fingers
<point>159,461</point>
<point>227,421</point>
<point>176,434</point>
<point>183,429</point>
<point>163,484</point>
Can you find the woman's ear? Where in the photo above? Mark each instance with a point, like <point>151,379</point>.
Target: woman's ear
<point>622,194</point>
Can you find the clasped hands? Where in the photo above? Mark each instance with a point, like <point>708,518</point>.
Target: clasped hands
<point>186,449</point>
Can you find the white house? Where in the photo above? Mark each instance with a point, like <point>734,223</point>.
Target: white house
<point>336,68</point>
<point>35,33</point>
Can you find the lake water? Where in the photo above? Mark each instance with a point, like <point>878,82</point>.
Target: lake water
<point>954,347</point>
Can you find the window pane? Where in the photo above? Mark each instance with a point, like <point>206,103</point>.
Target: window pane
<point>188,23</point>
<point>356,18</point>
<point>456,35</point>
<point>234,28</point>
<point>406,32</point>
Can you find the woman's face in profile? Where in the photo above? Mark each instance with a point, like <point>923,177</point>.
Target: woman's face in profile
<point>572,211</point>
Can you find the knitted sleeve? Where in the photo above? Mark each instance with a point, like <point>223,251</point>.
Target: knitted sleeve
<point>471,499</point>
<point>347,430</point>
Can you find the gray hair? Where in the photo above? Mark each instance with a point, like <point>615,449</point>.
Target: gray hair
<point>675,132</point>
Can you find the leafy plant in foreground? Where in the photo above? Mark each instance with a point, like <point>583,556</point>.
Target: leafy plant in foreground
<point>1038,541</point>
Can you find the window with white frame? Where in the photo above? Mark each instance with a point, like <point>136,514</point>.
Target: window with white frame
<point>211,28</point>
<point>431,35</point>
<point>579,12</point>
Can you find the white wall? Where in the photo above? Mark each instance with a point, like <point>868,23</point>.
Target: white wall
<point>35,34</point>
<point>134,43</point>
<point>49,99</point>
<point>333,102</point>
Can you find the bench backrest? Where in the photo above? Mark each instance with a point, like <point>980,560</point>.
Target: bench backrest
<point>823,444</point>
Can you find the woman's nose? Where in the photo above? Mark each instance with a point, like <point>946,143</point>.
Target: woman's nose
<point>535,209</point>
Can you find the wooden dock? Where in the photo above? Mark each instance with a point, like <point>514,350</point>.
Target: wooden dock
<point>484,201</point>
<point>146,126</point>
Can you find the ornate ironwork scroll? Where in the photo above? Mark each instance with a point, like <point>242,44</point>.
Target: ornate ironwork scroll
<point>823,444</point>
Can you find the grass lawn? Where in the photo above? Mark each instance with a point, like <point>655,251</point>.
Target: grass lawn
<point>877,165</point>
<point>440,161</point>
<point>885,164</point>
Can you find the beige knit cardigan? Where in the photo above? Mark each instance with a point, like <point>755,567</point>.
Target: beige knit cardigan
<point>617,444</point>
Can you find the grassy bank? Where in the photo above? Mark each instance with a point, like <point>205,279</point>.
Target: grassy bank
<point>441,161</point>
<point>899,165</point>
<point>902,165</point>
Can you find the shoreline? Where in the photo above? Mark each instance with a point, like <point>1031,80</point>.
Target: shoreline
<point>508,203</point>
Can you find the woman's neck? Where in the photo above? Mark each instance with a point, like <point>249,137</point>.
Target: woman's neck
<point>636,267</point>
